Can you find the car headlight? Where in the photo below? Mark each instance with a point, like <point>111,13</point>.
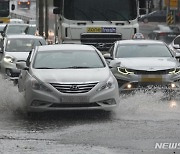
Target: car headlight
<point>107,85</point>
<point>39,86</point>
<point>175,71</point>
<point>124,71</point>
<point>9,59</point>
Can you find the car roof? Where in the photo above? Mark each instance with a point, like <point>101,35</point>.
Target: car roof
<point>13,36</point>
<point>66,47</point>
<point>140,42</point>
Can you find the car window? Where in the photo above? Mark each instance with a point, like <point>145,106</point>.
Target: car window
<point>15,29</point>
<point>144,50</point>
<point>23,45</point>
<point>177,40</point>
<point>66,59</point>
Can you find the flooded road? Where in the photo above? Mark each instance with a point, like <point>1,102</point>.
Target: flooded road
<point>140,121</point>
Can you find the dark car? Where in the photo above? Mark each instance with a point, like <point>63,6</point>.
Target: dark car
<point>164,33</point>
<point>155,16</point>
<point>24,4</point>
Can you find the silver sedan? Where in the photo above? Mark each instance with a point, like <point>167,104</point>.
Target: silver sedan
<point>67,77</point>
<point>17,48</point>
<point>142,64</point>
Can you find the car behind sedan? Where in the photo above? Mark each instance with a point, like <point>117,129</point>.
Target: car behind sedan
<point>143,64</point>
<point>67,77</point>
<point>17,48</point>
<point>164,33</point>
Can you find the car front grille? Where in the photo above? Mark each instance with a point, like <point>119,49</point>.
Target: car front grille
<point>159,72</point>
<point>74,88</point>
<point>75,105</point>
<point>101,41</point>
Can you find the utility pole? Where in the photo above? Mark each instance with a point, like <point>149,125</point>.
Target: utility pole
<point>41,17</point>
<point>46,19</point>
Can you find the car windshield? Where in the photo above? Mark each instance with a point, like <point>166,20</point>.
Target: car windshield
<point>4,8</point>
<point>16,29</point>
<point>67,59</point>
<point>30,30</point>
<point>100,10</point>
<point>22,45</point>
<point>142,50</point>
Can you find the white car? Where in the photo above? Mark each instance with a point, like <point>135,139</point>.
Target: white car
<point>17,48</point>
<point>67,77</point>
<point>139,64</point>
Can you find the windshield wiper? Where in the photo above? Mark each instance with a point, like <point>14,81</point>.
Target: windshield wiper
<point>102,14</point>
<point>118,13</point>
<point>76,67</point>
<point>87,17</point>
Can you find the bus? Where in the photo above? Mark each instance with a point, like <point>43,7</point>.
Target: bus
<point>96,22</point>
<point>5,11</point>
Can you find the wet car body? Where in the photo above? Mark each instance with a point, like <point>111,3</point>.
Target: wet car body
<point>143,65</point>
<point>71,84</point>
<point>17,48</point>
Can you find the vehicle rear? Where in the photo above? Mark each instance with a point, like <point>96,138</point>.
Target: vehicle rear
<point>24,4</point>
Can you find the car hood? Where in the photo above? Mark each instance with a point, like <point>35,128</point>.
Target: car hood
<point>72,75</point>
<point>149,64</point>
<point>18,55</point>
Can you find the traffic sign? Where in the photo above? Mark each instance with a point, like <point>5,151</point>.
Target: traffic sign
<point>172,4</point>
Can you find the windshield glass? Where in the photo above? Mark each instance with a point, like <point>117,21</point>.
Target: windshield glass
<point>145,50</point>
<point>68,59</point>
<point>4,9</point>
<point>23,45</point>
<point>100,10</point>
<point>16,29</point>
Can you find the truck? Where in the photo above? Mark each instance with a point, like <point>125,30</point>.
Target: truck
<point>96,22</point>
<point>5,10</point>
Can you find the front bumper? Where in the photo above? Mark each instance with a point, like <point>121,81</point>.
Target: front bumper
<point>39,101</point>
<point>132,82</point>
<point>10,70</point>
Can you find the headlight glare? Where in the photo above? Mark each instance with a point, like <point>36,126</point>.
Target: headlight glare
<point>124,71</point>
<point>9,59</point>
<point>175,71</point>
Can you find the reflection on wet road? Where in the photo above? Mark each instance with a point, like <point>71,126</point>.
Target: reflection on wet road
<point>140,121</point>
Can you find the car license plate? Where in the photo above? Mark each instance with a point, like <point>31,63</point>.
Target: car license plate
<point>151,78</point>
<point>94,30</point>
<point>74,99</point>
<point>101,30</point>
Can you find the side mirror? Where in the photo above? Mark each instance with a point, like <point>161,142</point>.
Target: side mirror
<point>114,64</point>
<point>177,55</point>
<point>12,7</point>
<point>57,10</point>
<point>176,46</point>
<point>107,56</point>
<point>22,65</point>
<point>1,50</point>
